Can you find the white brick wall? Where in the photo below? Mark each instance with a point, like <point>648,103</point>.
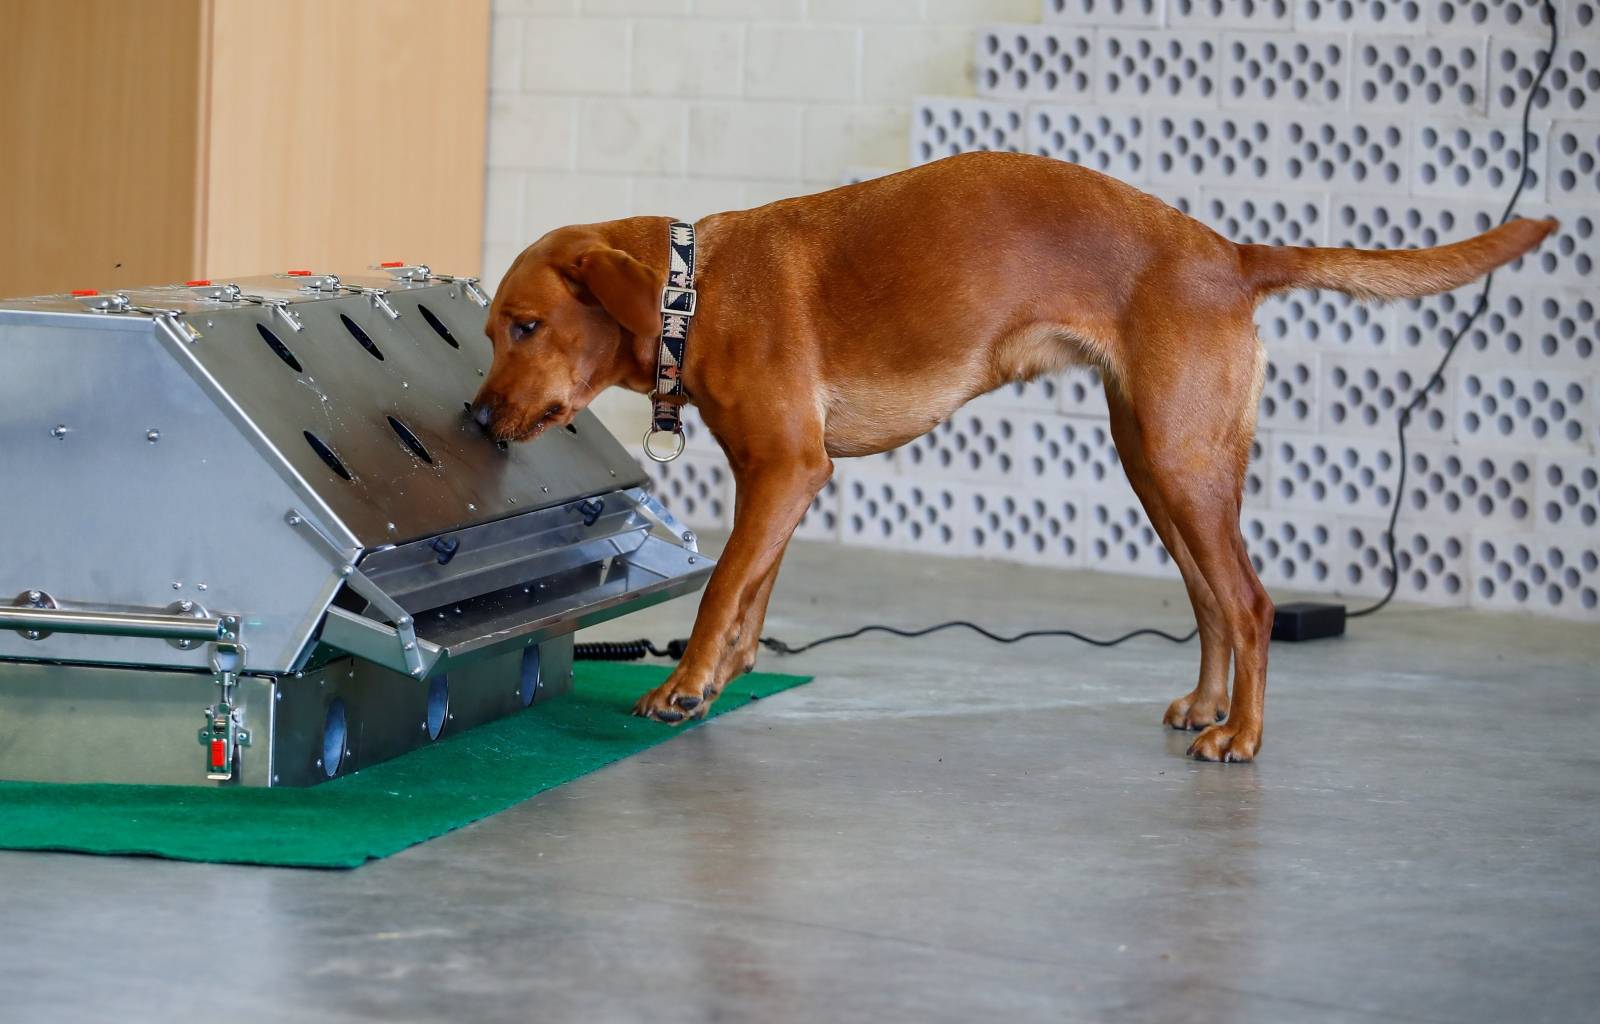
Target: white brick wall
<point>609,108</point>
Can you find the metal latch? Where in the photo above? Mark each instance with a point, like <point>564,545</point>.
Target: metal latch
<point>377,297</point>
<point>224,733</point>
<point>469,285</point>
<point>280,307</point>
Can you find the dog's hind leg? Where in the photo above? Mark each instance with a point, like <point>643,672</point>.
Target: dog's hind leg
<point>1193,393</point>
<point>1207,703</point>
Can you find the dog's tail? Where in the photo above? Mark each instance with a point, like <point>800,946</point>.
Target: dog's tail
<point>1380,274</point>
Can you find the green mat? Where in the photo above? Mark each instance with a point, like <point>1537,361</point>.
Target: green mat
<point>377,811</point>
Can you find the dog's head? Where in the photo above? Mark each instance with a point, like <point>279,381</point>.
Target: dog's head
<point>574,315</point>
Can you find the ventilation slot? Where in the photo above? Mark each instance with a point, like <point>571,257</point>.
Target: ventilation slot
<point>361,336</point>
<point>438,326</point>
<point>279,348</point>
<point>326,454</point>
<point>410,440</point>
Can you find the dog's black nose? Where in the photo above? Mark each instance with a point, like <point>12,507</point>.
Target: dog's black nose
<point>480,413</point>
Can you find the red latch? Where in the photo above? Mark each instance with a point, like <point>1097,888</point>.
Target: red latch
<point>392,263</point>
<point>219,754</point>
<point>299,273</point>
<point>201,283</point>
<point>84,293</point>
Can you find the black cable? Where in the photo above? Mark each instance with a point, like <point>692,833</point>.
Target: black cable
<point>638,649</point>
<point>774,644</point>
<point>1420,398</point>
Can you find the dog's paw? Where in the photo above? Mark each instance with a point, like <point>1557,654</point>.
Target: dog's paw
<point>1233,741</point>
<point>1193,712</point>
<point>676,701</point>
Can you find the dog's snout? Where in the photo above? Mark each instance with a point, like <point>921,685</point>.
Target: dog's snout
<point>481,413</point>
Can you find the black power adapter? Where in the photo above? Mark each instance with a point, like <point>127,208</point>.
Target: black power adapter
<point>1307,620</point>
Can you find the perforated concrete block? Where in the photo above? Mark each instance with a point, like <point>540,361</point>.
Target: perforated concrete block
<point>1305,70</point>
<point>1289,392</point>
<point>1156,68</point>
<point>1575,162</point>
<point>1554,328</point>
<point>884,511</point>
<point>1567,493</point>
<point>1331,321</point>
<point>1265,217</point>
<point>1497,17</point>
<point>1343,151</point>
<point>1023,525</point>
<point>1035,61</point>
<point>1119,538</point>
<point>1363,397</point>
<point>1468,485</point>
<point>1544,573</point>
<point>1129,13</point>
<point>1385,221</point>
<point>1433,561</point>
<point>1571,86</point>
<point>1114,142</point>
<point>1458,157</point>
<point>1079,392</point>
<point>1389,17</point>
<point>1218,147</point>
<point>1445,75</point>
<point>1229,13</point>
<point>1291,551</point>
<point>1332,476</point>
<point>1059,453</point>
<point>1526,407</point>
<point>945,127</point>
<point>973,444</point>
<point>697,487</point>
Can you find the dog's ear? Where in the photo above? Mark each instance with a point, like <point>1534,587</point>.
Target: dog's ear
<point>626,288</point>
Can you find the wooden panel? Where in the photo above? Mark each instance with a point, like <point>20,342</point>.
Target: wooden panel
<point>346,133</point>
<point>98,127</point>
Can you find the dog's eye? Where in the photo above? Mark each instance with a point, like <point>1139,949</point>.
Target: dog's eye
<point>522,330</point>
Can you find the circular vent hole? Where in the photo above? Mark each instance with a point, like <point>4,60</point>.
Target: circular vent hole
<point>361,336</point>
<point>438,704</point>
<point>530,675</point>
<point>333,739</point>
<point>410,440</point>
<point>326,454</point>
<point>279,348</point>
<point>438,326</point>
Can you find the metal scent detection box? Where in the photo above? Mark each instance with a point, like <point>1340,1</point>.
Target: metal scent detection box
<point>253,538</point>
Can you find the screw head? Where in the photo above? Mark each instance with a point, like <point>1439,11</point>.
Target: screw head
<point>152,436</point>
<point>293,520</point>
<point>177,584</point>
<point>346,570</point>
<point>59,432</point>
<point>34,596</point>
<point>186,606</point>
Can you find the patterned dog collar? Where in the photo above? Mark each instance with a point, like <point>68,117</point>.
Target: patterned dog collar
<point>678,301</point>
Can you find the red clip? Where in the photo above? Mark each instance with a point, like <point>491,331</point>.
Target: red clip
<point>392,263</point>
<point>84,293</point>
<point>219,754</point>
<point>299,273</point>
<point>201,283</point>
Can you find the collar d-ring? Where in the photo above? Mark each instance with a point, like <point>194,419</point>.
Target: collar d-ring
<point>655,456</point>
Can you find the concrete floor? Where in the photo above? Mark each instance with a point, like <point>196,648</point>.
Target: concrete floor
<point>939,831</point>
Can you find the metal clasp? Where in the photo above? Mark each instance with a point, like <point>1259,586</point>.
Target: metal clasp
<point>672,293</point>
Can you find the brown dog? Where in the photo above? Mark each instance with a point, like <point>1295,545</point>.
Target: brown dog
<point>850,322</point>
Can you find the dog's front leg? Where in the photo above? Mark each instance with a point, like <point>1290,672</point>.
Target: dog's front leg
<point>774,493</point>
